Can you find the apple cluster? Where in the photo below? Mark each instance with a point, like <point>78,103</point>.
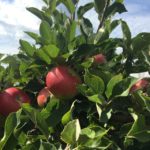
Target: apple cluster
<point>61,82</point>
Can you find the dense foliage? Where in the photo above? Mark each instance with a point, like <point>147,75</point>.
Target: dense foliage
<point>105,113</point>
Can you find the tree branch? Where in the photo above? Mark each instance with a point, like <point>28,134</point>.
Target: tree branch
<point>103,15</point>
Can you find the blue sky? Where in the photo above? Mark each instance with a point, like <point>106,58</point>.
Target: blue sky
<point>9,1</point>
<point>138,15</point>
<point>14,19</point>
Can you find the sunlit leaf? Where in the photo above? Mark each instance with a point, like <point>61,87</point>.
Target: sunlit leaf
<point>71,132</point>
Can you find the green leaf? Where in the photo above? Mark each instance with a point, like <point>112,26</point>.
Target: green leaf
<point>87,63</point>
<point>45,31</point>
<point>114,24</point>
<point>43,56</point>
<point>138,130</point>
<point>86,26</point>
<point>46,146</point>
<point>146,57</point>
<point>141,42</point>
<point>71,132</point>
<point>94,82</point>
<point>142,99</point>
<point>30,147</point>
<point>83,49</point>
<point>10,125</point>
<point>61,42</point>
<point>20,136</point>
<point>71,31</point>
<point>138,99</point>
<point>50,107</point>
<point>123,87</point>
<point>48,35</point>
<point>101,35</point>
<point>125,129</point>
<point>68,115</point>
<point>126,33</point>
<point>104,115</point>
<point>138,125</point>
<point>46,1</point>
<point>114,80</point>
<point>89,132</point>
<point>82,88</point>
<point>99,110</point>
<point>104,33</point>
<point>69,5</point>
<point>99,99</point>
<point>147,102</point>
<point>114,8</point>
<point>36,118</point>
<point>51,50</point>
<point>54,111</point>
<point>91,136</point>
<point>27,48</point>
<point>119,1</point>
<point>52,6</point>
<point>36,12</point>
<point>23,67</point>
<point>11,143</point>
<point>33,36</point>
<point>40,14</point>
<point>83,9</point>
<point>141,136</point>
<point>99,5</point>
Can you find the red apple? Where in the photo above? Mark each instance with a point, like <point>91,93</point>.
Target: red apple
<point>43,96</point>
<point>139,85</point>
<point>10,99</point>
<point>99,59</point>
<point>62,82</point>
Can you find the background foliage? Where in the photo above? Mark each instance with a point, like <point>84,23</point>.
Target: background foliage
<point>104,114</point>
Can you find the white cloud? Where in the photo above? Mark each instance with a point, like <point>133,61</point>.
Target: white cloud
<point>14,20</point>
<point>16,14</point>
<point>2,31</point>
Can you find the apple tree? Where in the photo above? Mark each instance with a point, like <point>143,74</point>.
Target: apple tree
<point>82,95</point>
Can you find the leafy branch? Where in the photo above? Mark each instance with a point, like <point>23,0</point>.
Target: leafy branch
<point>103,15</point>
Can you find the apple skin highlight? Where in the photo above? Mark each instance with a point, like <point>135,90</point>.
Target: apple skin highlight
<point>62,82</point>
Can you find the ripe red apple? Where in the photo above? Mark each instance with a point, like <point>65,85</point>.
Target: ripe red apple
<point>139,85</point>
<point>99,59</point>
<point>43,96</point>
<point>10,99</point>
<point>62,82</point>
